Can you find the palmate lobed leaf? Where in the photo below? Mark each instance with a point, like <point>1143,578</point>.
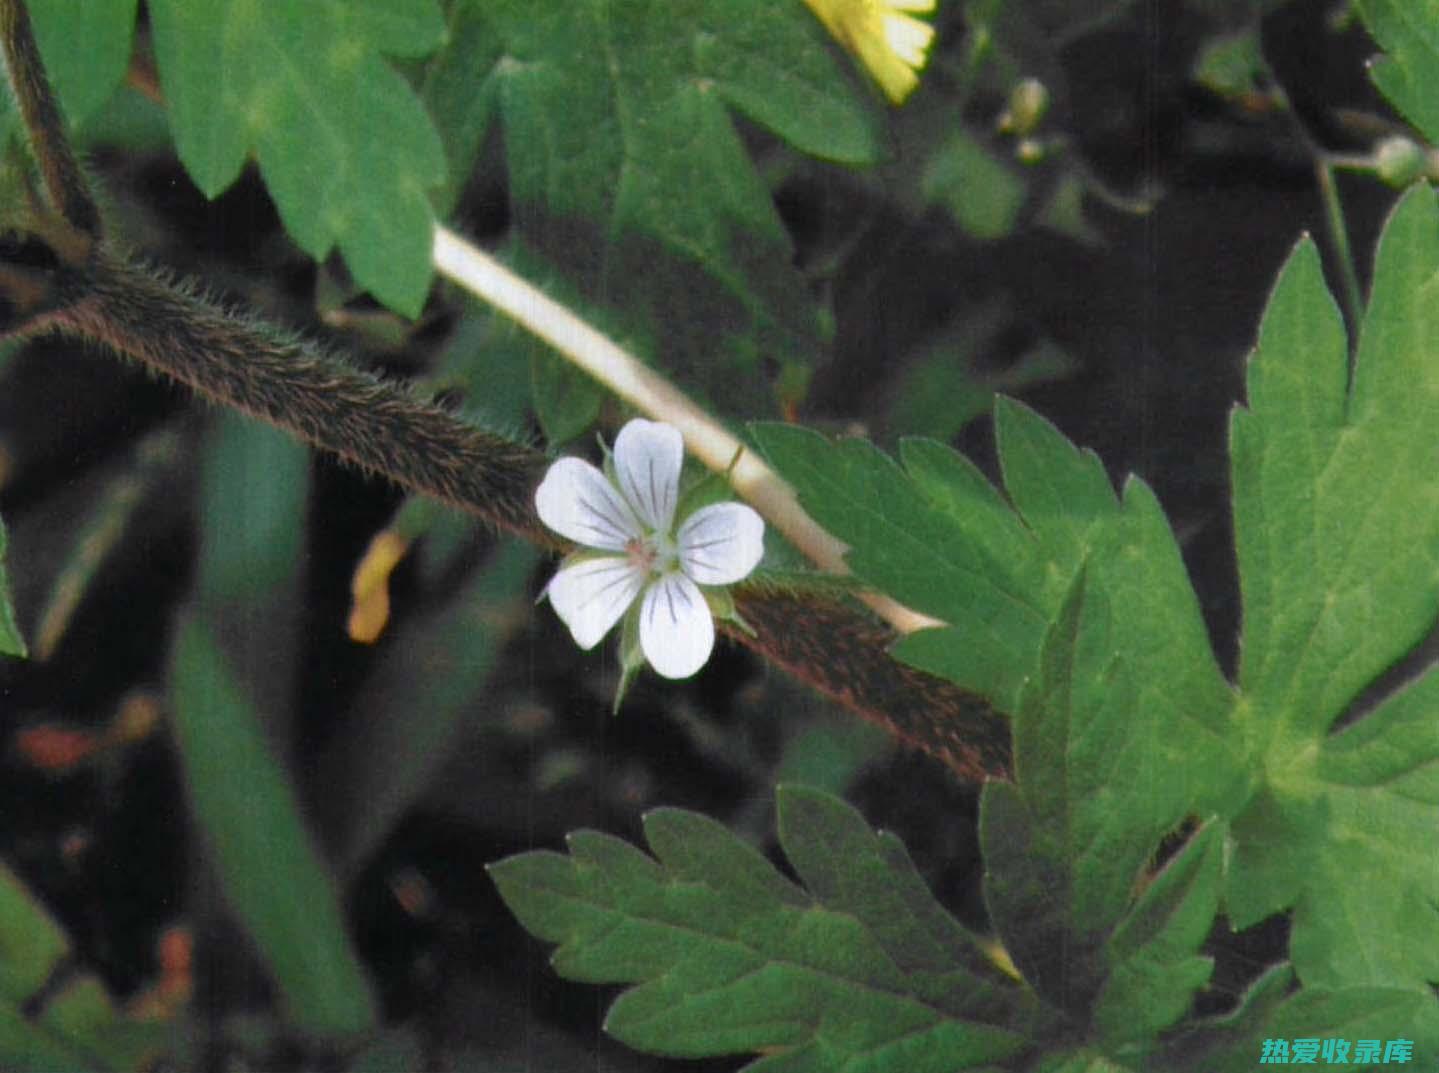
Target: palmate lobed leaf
<point>1337,524</point>
<point>344,144</point>
<point>1337,528</point>
<point>862,972</point>
<point>1066,844</point>
<point>1072,609</point>
<point>935,535</point>
<point>626,168</point>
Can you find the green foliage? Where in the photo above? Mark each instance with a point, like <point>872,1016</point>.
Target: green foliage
<point>864,971</point>
<point>625,167</point>
<point>1123,725</point>
<point>11,641</point>
<point>982,193</point>
<point>1408,30</point>
<point>230,683</point>
<point>936,536</point>
<point>268,865</point>
<point>86,49</point>
<point>1067,843</point>
<point>345,147</point>
<point>77,1026</point>
<point>642,152</point>
<point>1337,520</point>
<point>946,385</point>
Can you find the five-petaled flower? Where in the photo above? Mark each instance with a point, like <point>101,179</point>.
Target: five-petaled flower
<point>637,553</point>
<point>892,44</point>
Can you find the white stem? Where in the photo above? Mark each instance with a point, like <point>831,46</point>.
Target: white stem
<point>652,394</point>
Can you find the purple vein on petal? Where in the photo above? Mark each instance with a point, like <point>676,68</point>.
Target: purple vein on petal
<point>654,495</point>
<point>617,530</point>
<point>619,574</point>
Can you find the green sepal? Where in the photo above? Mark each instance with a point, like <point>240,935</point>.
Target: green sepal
<point>607,461</point>
<point>722,607</point>
<point>632,656</point>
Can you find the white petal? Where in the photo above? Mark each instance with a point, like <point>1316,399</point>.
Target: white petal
<point>577,501</point>
<point>676,630</point>
<point>648,456</point>
<point>721,543</point>
<point>591,595</point>
<point>910,5</point>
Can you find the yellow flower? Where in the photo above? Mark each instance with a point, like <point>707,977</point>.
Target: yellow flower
<point>891,44</point>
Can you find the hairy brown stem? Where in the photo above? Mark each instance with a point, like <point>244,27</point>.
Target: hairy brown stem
<point>325,401</point>
<point>841,653</point>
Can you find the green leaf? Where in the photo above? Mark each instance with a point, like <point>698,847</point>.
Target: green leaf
<point>937,537</point>
<point>567,401</point>
<point>1232,65</point>
<point>11,641</point>
<point>849,868</point>
<point>1106,762</point>
<point>344,145</point>
<point>1408,73</point>
<point>86,49</point>
<point>1154,972</point>
<point>865,972</point>
<point>462,114</point>
<point>1337,522</point>
<point>84,1013</point>
<point>944,544</point>
<point>97,536</point>
<point>28,1048</point>
<point>31,942</point>
<point>983,194</point>
<point>1270,1010</point>
<point>1079,1060</point>
<point>255,487</point>
<point>829,753</point>
<point>76,1027</point>
<point>626,167</point>
<point>271,873</point>
<point>1234,1040</point>
<point>1355,1013</point>
<point>254,491</point>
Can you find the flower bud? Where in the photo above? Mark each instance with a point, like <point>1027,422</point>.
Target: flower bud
<point>1399,161</point>
<point>1028,102</point>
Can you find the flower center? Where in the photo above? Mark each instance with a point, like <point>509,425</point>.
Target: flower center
<point>655,554</point>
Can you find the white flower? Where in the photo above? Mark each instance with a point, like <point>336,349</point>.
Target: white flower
<point>642,556</point>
